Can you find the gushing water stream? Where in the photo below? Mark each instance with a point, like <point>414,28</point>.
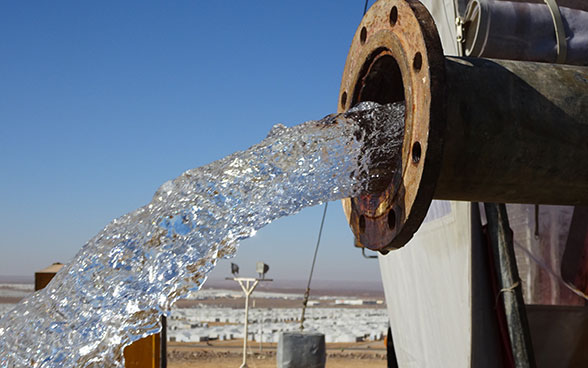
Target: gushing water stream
<point>130,273</point>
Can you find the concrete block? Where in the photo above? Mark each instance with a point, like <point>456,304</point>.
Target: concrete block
<point>301,350</point>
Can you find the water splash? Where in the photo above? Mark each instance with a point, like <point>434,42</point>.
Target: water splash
<point>130,273</point>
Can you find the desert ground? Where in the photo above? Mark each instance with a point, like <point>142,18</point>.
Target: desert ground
<point>220,354</point>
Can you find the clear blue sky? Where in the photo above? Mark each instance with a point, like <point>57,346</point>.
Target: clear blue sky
<point>103,101</point>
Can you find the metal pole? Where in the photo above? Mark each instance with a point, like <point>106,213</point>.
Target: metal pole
<point>246,326</point>
<point>163,343</point>
<point>247,289</point>
<point>261,333</point>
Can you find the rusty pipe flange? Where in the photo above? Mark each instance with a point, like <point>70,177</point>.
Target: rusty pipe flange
<point>396,55</point>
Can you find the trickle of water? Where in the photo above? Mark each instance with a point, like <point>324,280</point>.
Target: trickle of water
<point>130,273</point>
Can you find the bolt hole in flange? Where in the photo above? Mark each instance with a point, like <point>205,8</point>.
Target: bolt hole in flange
<point>391,219</point>
<point>393,16</point>
<point>417,62</point>
<point>416,152</point>
<point>363,35</point>
<point>362,224</point>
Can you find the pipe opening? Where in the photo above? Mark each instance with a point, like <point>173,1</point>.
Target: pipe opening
<point>381,81</point>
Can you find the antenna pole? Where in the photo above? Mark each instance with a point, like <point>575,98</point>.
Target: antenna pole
<point>248,285</point>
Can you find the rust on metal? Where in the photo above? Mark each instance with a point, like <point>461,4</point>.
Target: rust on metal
<point>396,55</point>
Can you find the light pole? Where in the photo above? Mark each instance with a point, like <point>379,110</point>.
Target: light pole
<point>261,333</point>
<point>248,284</point>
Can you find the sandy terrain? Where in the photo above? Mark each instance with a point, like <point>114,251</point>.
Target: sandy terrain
<point>228,354</point>
<point>266,303</point>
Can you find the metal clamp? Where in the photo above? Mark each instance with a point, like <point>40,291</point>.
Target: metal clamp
<point>560,34</point>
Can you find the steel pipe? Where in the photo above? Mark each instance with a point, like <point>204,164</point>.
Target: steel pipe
<point>517,132</point>
<point>475,129</point>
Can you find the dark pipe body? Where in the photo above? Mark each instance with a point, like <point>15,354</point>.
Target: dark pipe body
<point>517,132</point>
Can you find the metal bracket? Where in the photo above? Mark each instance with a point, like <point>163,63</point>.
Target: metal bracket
<point>460,34</point>
<point>365,255</point>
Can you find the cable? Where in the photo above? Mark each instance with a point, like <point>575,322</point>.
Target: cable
<point>307,292</point>
<point>318,242</point>
<point>550,272</point>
